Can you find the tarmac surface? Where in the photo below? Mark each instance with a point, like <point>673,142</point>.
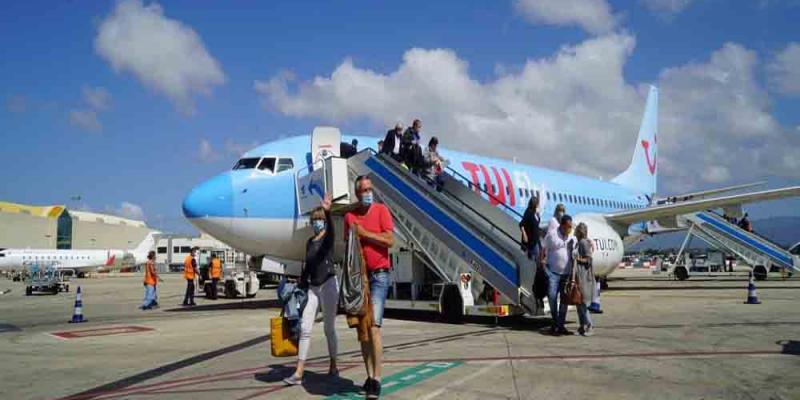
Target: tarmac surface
<point>658,339</point>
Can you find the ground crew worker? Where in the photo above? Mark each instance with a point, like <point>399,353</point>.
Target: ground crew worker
<point>189,272</point>
<point>215,272</point>
<point>150,280</point>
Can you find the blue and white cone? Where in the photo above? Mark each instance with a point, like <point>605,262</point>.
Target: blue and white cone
<point>77,315</point>
<point>752,297</point>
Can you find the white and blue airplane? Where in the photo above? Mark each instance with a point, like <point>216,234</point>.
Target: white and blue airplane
<point>253,207</point>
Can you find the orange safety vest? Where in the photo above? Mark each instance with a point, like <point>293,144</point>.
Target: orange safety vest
<point>216,268</point>
<point>188,269</point>
<point>150,273</point>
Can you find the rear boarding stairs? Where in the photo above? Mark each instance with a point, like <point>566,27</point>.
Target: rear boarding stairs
<point>757,251</point>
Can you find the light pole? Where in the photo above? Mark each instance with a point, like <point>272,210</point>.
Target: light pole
<point>48,239</point>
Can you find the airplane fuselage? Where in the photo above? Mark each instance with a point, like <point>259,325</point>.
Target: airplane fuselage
<point>255,209</point>
<point>76,260</point>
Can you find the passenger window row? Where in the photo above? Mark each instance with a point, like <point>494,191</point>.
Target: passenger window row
<point>564,198</point>
<point>35,258</point>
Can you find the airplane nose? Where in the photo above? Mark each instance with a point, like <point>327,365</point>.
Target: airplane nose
<point>212,198</point>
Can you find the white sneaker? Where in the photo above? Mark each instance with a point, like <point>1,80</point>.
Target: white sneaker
<point>293,380</point>
<point>589,331</point>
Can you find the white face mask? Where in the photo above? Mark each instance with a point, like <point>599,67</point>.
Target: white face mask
<point>319,225</point>
<point>366,199</point>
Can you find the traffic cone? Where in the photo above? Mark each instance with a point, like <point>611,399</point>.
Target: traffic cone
<point>77,315</point>
<point>752,297</point>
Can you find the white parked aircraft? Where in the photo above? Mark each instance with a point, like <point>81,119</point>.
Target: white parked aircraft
<point>80,261</point>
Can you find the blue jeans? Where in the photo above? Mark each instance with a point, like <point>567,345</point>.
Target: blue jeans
<point>555,290</point>
<point>379,284</point>
<point>583,315</point>
<point>149,296</point>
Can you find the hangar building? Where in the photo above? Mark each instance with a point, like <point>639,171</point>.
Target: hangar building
<point>56,227</point>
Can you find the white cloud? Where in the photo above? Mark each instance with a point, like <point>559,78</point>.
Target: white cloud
<point>784,70</point>
<point>128,210</point>
<point>167,55</point>
<point>594,16</point>
<point>97,98</point>
<point>716,174</point>
<point>206,152</point>
<point>667,7</point>
<point>572,111</point>
<point>86,120</point>
<point>236,149</point>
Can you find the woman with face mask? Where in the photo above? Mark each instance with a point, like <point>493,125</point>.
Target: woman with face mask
<point>318,277</point>
<point>585,275</point>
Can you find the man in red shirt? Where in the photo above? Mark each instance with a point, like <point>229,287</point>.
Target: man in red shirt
<point>373,224</point>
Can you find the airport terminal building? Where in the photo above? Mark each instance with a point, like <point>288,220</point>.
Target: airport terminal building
<point>56,227</point>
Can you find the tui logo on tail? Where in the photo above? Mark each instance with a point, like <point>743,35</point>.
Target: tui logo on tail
<point>651,164</point>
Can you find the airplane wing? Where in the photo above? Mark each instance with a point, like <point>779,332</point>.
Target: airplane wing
<point>707,193</point>
<point>670,210</point>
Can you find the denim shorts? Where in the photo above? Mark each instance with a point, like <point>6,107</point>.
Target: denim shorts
<point>379,284</point>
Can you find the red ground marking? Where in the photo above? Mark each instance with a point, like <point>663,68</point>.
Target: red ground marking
<point>165,387</point>
<point>581,357</point>
<point>113,330</point>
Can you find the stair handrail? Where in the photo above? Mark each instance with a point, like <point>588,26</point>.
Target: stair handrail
<point>452,196</point>
<point>761,237</point>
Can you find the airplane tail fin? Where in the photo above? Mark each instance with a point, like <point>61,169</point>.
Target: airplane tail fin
<point>642,173</point>
<point>147,244</point>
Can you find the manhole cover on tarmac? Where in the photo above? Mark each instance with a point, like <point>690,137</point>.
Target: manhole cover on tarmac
<point>113,330</point>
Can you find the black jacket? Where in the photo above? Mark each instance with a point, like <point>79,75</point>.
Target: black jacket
<point>530,223</point>
<point>389,141</point>
<point>319,266</point>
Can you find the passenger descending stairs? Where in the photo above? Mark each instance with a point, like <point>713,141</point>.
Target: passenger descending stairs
<point>456,228</point>
<point>754,249</point>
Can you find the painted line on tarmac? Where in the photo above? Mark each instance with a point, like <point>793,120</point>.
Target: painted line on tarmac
<point>459,382</point>
<point>404,379</point>
<point>165,387</point>
<point>709,325</point>
<point>588,357</point>
<point>145,389</point>
<point>281,387</point>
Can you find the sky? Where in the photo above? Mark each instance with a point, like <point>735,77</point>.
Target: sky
<point>122,107</point>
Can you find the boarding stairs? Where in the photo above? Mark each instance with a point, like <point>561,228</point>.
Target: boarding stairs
<point>752,248</point>
<point>457,229</point>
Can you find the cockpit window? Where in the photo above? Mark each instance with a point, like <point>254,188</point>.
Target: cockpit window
<point>796,250</point>
<point>267,164</point>
<point>246,163</point>
<point>285,164</point>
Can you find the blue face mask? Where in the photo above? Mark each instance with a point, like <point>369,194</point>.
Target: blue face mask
<point>319,225</point>
<point>366,199</point>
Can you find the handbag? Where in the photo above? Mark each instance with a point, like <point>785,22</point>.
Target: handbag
<point>281,343</point>
<point>572,291</point>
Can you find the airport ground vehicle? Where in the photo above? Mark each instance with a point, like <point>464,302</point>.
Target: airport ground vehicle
<point>45,278</point>
<point>238,280</point>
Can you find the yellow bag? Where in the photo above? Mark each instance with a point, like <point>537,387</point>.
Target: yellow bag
<point>280,338</point>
